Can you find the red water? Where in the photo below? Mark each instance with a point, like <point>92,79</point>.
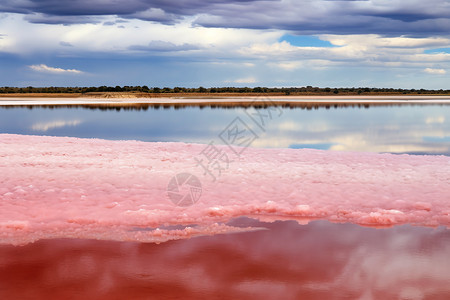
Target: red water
<point>320,260</point>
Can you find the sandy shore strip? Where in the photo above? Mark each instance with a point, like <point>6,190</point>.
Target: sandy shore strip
<point>245,101</point>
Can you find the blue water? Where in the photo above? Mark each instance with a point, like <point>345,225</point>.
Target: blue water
<point>395,129</point>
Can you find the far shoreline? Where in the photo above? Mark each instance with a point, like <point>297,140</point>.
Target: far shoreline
<point>216,100</point>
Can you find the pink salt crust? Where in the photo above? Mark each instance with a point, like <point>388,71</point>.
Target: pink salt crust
<point>61,187</point>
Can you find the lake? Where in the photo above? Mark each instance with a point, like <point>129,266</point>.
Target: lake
<point>288,260</point>
<point>420,129</point>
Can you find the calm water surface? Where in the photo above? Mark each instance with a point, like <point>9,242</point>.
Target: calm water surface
<point>287,261</point>
<point>396,129</point>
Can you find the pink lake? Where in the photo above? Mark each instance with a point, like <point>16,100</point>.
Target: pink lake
<point>91,218</point>
<point>320,260</point>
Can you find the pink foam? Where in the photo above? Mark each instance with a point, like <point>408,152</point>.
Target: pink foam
<point>57,187</point>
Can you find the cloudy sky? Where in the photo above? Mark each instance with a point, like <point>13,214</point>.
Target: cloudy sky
<point>375,43</point>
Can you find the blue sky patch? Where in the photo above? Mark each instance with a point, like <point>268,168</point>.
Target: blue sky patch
<point>437,50</point>
<point>305,41</point>
<point>436,139</point>
<point>320,146</point>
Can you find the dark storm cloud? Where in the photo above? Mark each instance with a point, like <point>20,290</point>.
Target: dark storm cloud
<point>162,46</point>
<point>110,7</point>
<point>65,44</point>
<point>55,11</point>
<point>73,7</point>
<point>64,20</point>
<point>414,18</point>
<point>395,17</point>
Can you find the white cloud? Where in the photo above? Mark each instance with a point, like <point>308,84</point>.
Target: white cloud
<point>219,44</point>
<point>435,71</point>
<point>364,50</point>
<point>228,51</point>
<point>385,42</point>
<point>45,126</point>
<point>47,69</point>
<point>243,80</point>
<point>435,120</point>
<point>290,65</point>
<point>28,39</point>
<point>290,126</point>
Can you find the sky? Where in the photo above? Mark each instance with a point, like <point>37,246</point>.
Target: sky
<point>192,43</point>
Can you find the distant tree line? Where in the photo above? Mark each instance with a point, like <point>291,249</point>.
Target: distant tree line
<point>308,90</point>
